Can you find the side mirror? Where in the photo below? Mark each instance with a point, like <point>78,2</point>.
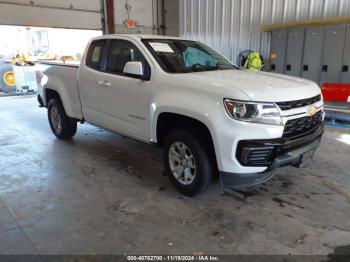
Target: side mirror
<point>135,69</point>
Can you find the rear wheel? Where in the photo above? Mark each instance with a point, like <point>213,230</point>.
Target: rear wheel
<point>187,162</point>
<point>7,79</point>
<point>61,125</point>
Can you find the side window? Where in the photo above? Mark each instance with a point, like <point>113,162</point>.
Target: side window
<point>94,55</point>
<point>121,52</point>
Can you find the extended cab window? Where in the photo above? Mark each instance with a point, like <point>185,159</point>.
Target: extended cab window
<point>94,55</point>
<point>121,52</point>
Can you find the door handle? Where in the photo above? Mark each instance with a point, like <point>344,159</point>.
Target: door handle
<point>104,83</point>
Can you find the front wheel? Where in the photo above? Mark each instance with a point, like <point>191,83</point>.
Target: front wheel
<point>61,125</point>
<point>187,162</point>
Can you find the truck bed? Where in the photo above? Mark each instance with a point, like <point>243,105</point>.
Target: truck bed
<point>63,78</point>
<point>60,63</point>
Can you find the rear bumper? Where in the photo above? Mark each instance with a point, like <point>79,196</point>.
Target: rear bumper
<point>285,153</point>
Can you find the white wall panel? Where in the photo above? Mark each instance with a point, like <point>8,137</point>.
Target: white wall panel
<point>172,17</point>
<point>140,10</point>
<point>149,16</point>
<point>344,7</point>
<point>232,26</point>
<point>55,13</point>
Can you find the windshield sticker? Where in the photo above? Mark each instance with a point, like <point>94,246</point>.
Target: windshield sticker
<point>161,47</point>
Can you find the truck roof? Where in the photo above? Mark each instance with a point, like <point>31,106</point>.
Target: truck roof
<point>138,36</point>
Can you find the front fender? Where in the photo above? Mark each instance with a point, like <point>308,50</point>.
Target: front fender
<point>208,110</point>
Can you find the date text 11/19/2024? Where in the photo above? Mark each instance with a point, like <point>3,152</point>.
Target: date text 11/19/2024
<point>173,258</point>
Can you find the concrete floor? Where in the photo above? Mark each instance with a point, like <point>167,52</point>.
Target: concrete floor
<point>105,194</point>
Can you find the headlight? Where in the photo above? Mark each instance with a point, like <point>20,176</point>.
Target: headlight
<point>264,113</point>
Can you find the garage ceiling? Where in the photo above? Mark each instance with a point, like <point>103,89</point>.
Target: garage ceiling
<point>56,13</point>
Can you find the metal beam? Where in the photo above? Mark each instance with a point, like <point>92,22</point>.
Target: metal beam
<point>103,17</point>
<point>110,16</point>
<point>307,23</point>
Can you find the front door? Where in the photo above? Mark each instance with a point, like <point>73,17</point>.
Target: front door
<point>124,100</point>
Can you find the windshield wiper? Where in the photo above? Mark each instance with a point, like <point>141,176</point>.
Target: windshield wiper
<point>199,67</point>
<point>211,68</point>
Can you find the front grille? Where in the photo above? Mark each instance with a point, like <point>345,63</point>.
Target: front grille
<point>302,126</point>
<point>298,103</point>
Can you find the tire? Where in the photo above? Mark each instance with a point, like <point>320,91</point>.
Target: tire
<point>6,69</point>
<point>61,125</point>
<point>196,170</point>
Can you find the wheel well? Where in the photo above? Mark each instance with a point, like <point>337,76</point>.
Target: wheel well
<point>170,121</point>
<point>49,94</point>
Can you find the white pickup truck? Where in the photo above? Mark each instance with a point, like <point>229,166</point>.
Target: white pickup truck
<point>210,117</point>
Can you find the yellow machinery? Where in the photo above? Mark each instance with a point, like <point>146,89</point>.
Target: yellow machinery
<point>7,78</point>
<point>29,46</point>
<point>38,47</point>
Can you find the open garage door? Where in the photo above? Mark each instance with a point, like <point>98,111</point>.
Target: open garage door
<point>75,14</point>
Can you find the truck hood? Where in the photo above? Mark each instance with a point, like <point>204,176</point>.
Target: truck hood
<point>257,86</point>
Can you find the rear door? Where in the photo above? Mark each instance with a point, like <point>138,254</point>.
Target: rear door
<point>89,88</point>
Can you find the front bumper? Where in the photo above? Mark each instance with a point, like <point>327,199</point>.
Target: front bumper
<point>284,153</point>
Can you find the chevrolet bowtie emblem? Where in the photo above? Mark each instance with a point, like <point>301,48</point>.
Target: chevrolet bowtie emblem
<point>312,110</point>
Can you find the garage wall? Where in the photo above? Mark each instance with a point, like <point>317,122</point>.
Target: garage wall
<point>232,26</point>
<point>144,12</point>
<point>148,15</point>
<point>55,13</point>
<point>172,17</point>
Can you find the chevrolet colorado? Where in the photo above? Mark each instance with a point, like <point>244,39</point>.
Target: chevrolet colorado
<point>210,117</point>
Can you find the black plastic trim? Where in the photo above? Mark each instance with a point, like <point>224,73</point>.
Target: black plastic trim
<point>280,146</point>
<point>291,158</point>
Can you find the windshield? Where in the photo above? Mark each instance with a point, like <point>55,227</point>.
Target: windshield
<point>183,56</point>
